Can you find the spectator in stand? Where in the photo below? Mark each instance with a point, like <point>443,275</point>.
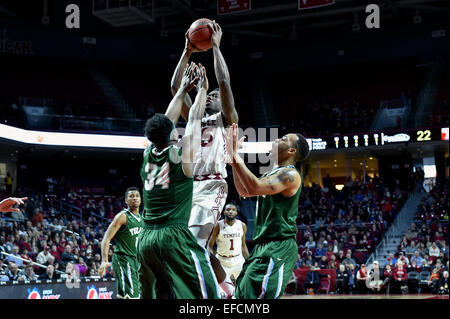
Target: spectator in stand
<point>400,278</point>
<point>443,284</point>
<point>49,274</point>
<point>433,251</point>
<point>403,258</point>
<point>341,280</point>
<point>45,257</point>
<point>334,261</point>
<point>299,262</point>
<point>434,280</point>
<point>351,278</point>
<point>311,244</point>
<point>67,255</point>
<point>26,256</point>
<point>362,277</point>
<point>13,272</point>
<point>391,260</point>
<point>8,184</point>
<point>340,257</point>
<point>348,259</point>
<point>427,264</point>
<point>388,278</point>
<point>417,259</point>
<point>309,261</point>
<point>54,252</point>
<point>323,263</point>
<point>81,267</point>
<point>439,266</point>
<point>29,273</point>
<point>413,267</point>
<point>404,243</point>
<point>320,252</point>
<point>37,217</point>
<point>14,259</point>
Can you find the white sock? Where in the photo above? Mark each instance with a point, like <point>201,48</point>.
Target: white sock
<point>227,286</point>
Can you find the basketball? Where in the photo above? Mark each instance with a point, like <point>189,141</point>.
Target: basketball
<point>200,34</point>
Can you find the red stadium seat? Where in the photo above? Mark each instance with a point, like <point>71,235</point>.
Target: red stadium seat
<point>325,284</point>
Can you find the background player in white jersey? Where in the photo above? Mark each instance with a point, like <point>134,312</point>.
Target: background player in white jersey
<point>210,187</point>
<point>229,236</point>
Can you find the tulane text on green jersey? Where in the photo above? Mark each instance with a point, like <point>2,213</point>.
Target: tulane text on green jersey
<point>276,214</point>
<point>127,235</point>
<point>167,191</point>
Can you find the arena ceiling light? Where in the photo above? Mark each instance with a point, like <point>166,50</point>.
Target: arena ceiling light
<point>72,139</point>
<point>97,140</point>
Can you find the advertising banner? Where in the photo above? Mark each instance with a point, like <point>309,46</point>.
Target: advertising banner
<point>60,289</point>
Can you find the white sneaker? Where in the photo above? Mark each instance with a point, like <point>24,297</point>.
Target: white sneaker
<point>226,289</point>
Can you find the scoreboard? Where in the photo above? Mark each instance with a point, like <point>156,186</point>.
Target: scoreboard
<point>379,138</point>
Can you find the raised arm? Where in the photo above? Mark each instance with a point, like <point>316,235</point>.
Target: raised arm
<point>178,75</point>
<point>242,191</point>
<point>119,220</point>
<point>223,78</point>
<point>285,181</point>
<point>187,83</point>
<point>192,137</point>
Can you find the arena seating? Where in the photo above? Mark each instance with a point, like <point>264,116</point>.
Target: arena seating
<point>342,99</point>
<point>430,227</point>
<point>145,88</point>
<point>66,85</point>
<point>440,114</point>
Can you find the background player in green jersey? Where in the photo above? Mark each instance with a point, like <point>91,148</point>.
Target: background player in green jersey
<point>266,272</point>
<point>167,250</point>
<point>125,229</point>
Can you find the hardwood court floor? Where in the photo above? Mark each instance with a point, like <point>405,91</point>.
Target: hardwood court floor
<point>383,296</point>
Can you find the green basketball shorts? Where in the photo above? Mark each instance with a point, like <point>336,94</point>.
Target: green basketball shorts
<point>174,265</point>
<point>126,269</point>
<point>267,271</point>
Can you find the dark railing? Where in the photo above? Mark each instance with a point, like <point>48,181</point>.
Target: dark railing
<point>71,123</point>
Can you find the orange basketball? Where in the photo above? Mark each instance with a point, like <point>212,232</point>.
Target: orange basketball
<point>200,34</point>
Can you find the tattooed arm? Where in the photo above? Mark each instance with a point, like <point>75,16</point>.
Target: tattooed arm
<point>285,181</point>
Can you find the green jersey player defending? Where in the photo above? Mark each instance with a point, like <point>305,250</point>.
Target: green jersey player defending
<point>168,252</point>
<point>266,272</point>
<point>125,229</point>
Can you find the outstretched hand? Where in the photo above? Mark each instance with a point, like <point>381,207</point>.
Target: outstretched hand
<point>233,144</point>
<point>188,46</point>
<point>217,33</point>
<point>190,77</point>
<point>7,204</point>
<point>202,78</point>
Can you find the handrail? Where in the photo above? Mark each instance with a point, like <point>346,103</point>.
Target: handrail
<point>72,209</point>
<point>28,261</point>
<point>314,227</point>
<point>102,219</point>
<point>390,231</point>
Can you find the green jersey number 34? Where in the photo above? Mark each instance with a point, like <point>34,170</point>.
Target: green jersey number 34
<point>157,176</point>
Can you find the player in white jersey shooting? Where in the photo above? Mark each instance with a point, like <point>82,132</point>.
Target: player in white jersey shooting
<point>210,187</point>
<point>229,236</point>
